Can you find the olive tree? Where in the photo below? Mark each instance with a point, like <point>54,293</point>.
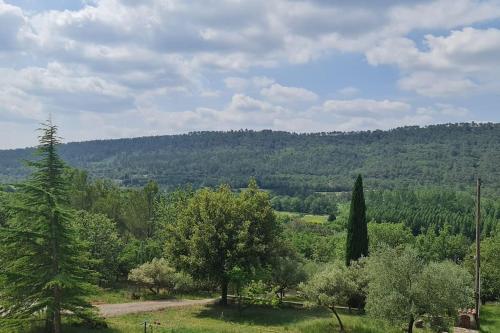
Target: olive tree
<point>158,274</point>
<point>402,287</point>
<point>331,287</point>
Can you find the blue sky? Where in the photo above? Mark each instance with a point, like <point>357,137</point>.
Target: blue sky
<point>122,68</point>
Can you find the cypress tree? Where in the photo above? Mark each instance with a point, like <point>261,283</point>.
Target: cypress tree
<point>43,267</point>
<point>357,229</point>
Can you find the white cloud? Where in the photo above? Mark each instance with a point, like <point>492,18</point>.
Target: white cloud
<point>348,91</point>
<point>283,94</point>
<point>434,85</point>
<point>142,61</point>
<point>365,107</point>
<point>236,83</point>
<point>463,61</point>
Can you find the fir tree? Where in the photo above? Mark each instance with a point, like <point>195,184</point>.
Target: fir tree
<point>357,229</point>
<point>43,266</point>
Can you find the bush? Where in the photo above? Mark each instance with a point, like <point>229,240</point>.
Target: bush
<point>158,274</point>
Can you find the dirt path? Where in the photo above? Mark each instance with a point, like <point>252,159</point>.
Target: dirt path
<point>114,310</point>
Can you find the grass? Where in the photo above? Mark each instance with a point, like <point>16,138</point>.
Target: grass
<point>112,296</point>
<point>215,319</point>
<point>308,218</point>
<point>318,219</point>
<point>490,318</point>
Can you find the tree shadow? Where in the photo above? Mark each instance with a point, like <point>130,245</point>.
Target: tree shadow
<point>261,315</point>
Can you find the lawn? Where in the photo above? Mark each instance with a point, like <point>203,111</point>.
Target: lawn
<point>490,318</point>
<point>308,218</point>
<point>215,319</point>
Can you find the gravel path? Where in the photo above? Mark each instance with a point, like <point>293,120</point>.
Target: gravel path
<point>114,310</point>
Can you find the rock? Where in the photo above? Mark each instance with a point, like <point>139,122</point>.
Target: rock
<point>419,323</point>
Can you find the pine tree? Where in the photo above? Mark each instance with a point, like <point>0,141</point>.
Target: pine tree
<point>43,266</point>
<point>357,229</point>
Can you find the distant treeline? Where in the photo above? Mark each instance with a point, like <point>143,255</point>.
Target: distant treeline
<point>448,155</point>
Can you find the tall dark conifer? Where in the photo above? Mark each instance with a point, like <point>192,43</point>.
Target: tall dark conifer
<point>42,266</point>
<point>357,229</point>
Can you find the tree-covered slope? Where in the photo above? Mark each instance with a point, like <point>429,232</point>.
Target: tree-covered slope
<point>448,155</point>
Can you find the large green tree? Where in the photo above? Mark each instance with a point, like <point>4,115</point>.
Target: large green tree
<point>218,230</point>
<point>101,236</point>
<point>357,229</point>
<point>43,265</point>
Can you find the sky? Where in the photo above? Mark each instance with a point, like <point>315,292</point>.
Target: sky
<point>125,68</point>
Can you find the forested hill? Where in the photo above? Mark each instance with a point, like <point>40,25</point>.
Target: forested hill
<point>444,155</point>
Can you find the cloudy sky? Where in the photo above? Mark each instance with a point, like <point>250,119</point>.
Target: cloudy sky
<point>121,68</point>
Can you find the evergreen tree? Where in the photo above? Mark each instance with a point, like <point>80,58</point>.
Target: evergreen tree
<point>43,266</point>
<point>357,229</point>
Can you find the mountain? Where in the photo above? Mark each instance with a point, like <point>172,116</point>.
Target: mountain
<point>449,155</point>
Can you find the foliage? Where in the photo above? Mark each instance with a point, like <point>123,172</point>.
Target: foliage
<point>316,203</point>
<point>490,267</point>
<point>434,208</point>
<point>388,235</point>
<point>403,288</point>
<point>158,274</point>
<point>100,235</point>
<point>331,287</point>
<point>440,155</point>
<point>44,267</point>
<point>218,230</point>
<point>4,214</point>
<point>321,243</point>
<point>357,230</point>
<point>286,270</point>
<point>441,245</point>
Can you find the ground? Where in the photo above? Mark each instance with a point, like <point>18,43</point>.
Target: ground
<point>216,319</point>
<point>115,310</point>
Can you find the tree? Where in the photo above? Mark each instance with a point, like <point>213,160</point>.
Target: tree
<point>44,268</point>
<point>490,267</point>
<point>4,214</point>
<point>388,234</point>
<point>100,235</point>
<point>218,230</point>
<point>330,287</point>
<point>402,287</point>
<point>286,270</point>
<point>158,274</point>
<point>357,230</point>
<point>442,245</point>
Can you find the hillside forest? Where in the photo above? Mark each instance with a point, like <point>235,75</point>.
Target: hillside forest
<point>256,218</point>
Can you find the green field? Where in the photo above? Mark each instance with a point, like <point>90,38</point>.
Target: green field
<point>308,218</point>
<point>490,318</point>
<point>215,319</point>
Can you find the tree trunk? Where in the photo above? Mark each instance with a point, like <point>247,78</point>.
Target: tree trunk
<point>338,318</point>
<point>49,319</point>
<point>223,298</point>
<point>57,310</point>
<point>410,325</point>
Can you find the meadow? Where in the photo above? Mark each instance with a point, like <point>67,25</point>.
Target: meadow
<point>216,319</point>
